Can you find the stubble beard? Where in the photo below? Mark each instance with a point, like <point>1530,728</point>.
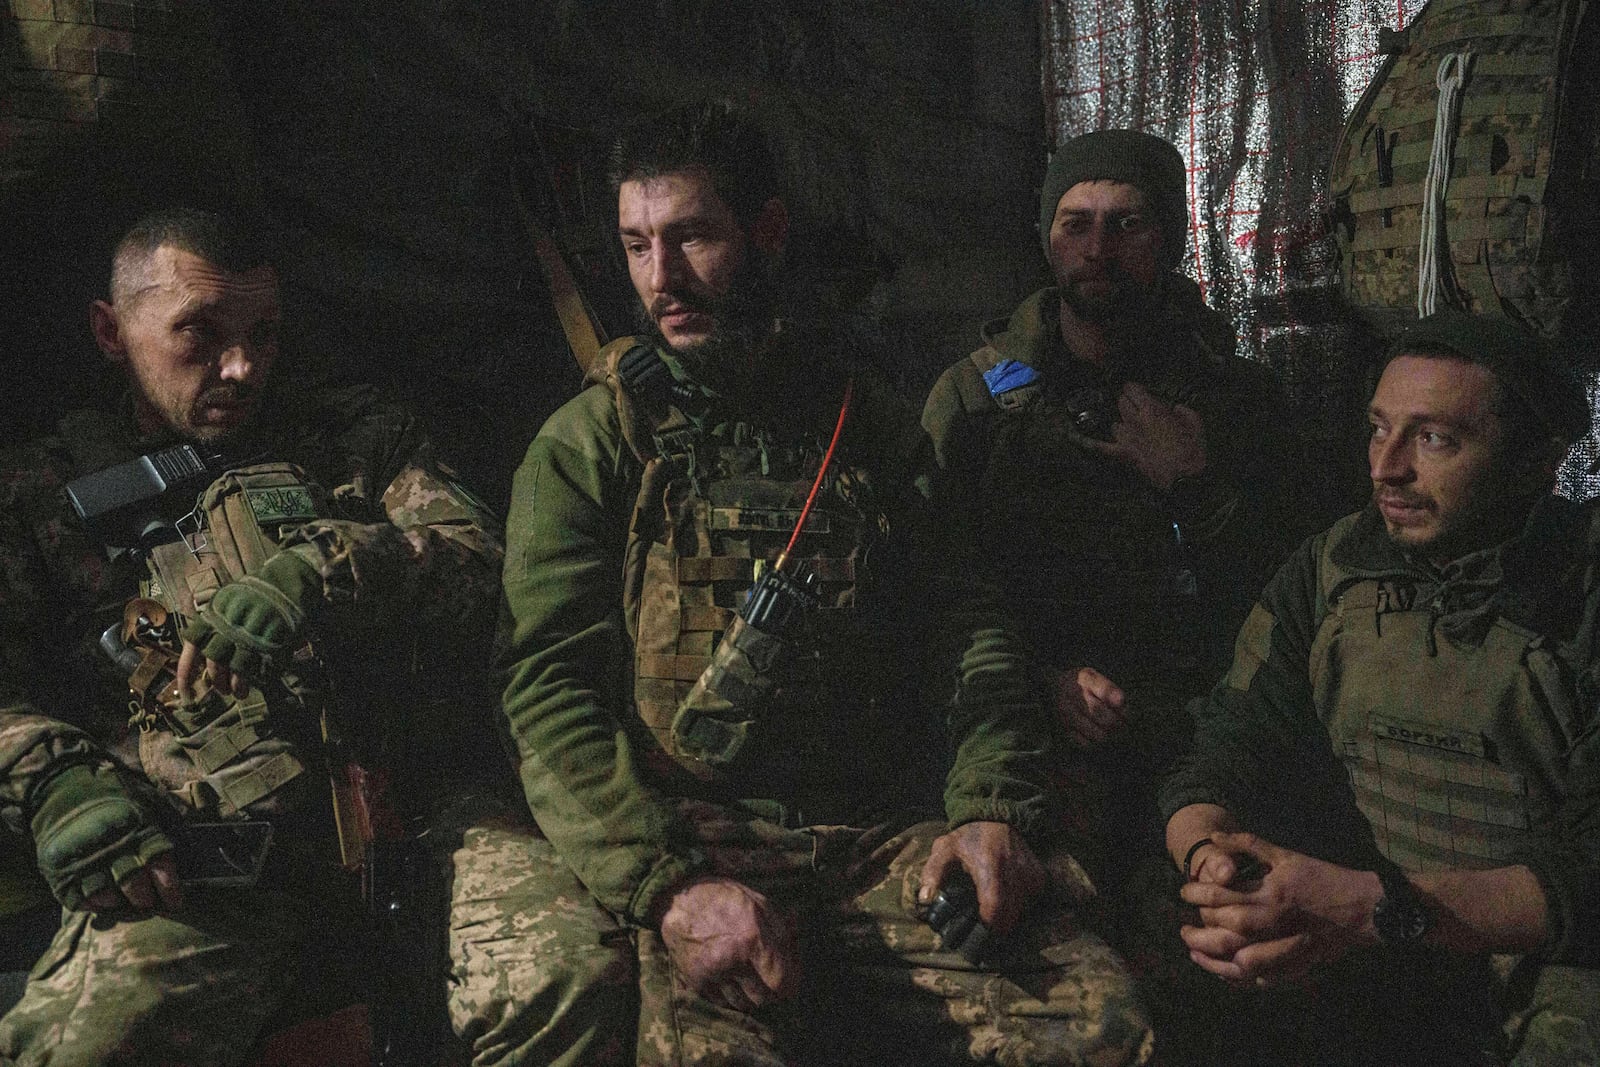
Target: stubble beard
<point>742,321</point>
<point>186,419</point>
<point>1125,299</point>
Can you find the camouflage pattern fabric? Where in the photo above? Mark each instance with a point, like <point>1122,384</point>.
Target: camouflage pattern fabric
<point>1510,175</point>
<point>540,972</point>
<point>193,989</point>
<point>1553,1019</point>
<point>409,564</point>
<point>546,976</point>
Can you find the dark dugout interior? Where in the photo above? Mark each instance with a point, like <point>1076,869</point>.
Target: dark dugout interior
<point>387,145</point>
<point>393,147</point>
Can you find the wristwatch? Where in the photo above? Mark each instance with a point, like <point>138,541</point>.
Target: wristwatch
<point>1400,916</point>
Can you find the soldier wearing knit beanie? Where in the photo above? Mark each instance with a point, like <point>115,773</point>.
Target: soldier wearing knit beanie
<point>1142,160</point>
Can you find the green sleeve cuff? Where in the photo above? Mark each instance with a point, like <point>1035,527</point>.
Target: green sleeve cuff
<point>658,886</point>
<point>1025,816</point>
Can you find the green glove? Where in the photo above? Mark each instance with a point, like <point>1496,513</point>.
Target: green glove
<point>93,826</point>
<point>252,619</point>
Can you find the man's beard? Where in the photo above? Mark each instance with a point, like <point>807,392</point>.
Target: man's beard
<point>1125,297</point>
<point>228,394</point>
<point>742,320</point>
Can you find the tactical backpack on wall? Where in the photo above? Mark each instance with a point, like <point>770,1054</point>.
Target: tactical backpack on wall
<point>1466,174</point>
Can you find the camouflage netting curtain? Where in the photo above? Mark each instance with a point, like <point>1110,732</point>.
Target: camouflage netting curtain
<point>1254,95</point>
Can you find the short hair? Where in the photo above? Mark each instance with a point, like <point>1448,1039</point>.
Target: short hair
<point>224,240</point>
<point>719,135</point>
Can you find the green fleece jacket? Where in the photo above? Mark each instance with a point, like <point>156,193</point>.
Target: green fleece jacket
<point>1262,748</point>
<point>566,649</point>
<point>1103,569</point>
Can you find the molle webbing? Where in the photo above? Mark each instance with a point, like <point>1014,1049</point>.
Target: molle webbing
<point>1453,749</point>
<point>688,602</point>
<point>714,507</point>
<point>219,754</point>
<point>1494,220</point>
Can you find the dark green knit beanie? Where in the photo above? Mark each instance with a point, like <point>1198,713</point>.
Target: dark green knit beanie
<point>1140,159</point>
<point>1527,366</point>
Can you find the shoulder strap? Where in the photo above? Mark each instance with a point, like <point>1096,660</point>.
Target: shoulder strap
<point>1009,384</point>
<point>1332,578</point>
<point>639,431</point>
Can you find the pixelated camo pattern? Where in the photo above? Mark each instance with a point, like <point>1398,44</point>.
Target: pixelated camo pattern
<point>1494,205</point>
<point>409,544</point>
<point>544,975</point>
<point>188,991</point>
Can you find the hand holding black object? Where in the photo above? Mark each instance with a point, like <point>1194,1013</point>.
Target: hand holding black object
<point>778,601</point>
<point>954,917</point>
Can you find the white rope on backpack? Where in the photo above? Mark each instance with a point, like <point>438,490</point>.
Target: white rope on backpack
<point>1433,261</point>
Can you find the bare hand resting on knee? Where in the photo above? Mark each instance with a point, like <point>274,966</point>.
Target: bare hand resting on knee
<point>730,943</point>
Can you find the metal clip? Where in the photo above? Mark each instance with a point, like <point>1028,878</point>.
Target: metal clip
<point>138,716</point>
<point>194,520</point>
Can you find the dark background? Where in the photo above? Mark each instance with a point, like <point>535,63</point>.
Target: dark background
<point>386,145</point>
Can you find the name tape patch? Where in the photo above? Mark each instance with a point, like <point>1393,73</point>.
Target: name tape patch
<point>1431,735</point>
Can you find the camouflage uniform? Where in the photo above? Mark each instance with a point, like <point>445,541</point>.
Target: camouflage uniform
<point>1445,716</point>
<point>407,552</point>
<point>566,960</point>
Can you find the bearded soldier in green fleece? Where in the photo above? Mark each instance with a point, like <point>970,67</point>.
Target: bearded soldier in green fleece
<point>741,793</point>
<point>1390,820</point>
<point>1134,474</point>
<point>1134,485</point>
<point>333,555</point>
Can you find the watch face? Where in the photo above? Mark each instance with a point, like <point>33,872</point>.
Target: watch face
<point>1400,921</point>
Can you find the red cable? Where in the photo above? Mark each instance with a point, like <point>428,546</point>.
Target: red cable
<point>827,461</point>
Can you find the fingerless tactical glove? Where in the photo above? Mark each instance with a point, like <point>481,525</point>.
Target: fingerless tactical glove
<point>252,620</point>
<point>93,826</point>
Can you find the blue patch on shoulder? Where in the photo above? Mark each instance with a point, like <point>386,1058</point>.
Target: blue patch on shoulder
<point>1007,375</point>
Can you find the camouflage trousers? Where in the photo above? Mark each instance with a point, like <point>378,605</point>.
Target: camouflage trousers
<point>543,975</point>
<point>195,988</point>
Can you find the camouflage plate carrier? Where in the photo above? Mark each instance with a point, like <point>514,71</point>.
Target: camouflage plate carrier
<point>221,756</point>
<point>715,506</point>
<point>1523,139</point>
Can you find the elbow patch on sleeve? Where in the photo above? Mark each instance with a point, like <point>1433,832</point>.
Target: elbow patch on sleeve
<point>1251,649</point>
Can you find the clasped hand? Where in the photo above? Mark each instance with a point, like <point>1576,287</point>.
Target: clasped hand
<point>731,944</point>
<point>1300,913</point>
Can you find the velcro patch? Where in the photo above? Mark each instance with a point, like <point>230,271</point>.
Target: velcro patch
<point>780,520</point>
<point>1432,735</point>
<point>278,504</point>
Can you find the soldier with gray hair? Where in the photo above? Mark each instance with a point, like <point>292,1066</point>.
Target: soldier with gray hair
<point>215,600</point>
